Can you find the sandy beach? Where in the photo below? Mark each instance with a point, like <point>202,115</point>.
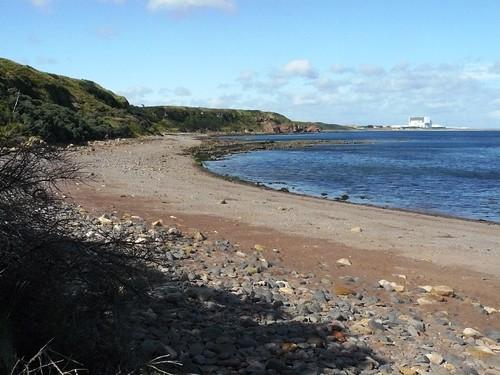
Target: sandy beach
<point>156,179</point>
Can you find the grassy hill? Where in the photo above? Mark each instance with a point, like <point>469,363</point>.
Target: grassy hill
<point>62,109</point>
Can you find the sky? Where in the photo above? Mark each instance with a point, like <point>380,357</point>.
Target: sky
<point>348,62</point>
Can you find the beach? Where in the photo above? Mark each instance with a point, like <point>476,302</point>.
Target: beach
<point>157,179</point>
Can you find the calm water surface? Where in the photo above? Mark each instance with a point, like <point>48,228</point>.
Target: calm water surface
<point>445,172</point>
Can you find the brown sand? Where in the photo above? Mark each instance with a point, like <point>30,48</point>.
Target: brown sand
<point>153,178</point>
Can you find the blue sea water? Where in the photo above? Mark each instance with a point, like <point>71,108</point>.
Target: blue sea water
<point>453,173</point>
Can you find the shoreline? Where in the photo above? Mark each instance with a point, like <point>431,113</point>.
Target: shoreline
<point>220,151</point>
<point>156,179</point>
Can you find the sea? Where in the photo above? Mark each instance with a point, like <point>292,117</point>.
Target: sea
<point>450,173</point>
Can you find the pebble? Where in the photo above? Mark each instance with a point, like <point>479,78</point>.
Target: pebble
<point>222,311</point>
<point>199,237</point>
<point>442,290</point>
<point>470,332</point>
<point>344,262</point>
<point>435,358</point>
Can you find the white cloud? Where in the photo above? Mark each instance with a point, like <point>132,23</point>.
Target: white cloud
<point>340,69</point>
<point>46,60</point>
<point>371,70</point>
<point>300,67</point>
<point>184,5</point>
<point>495,68</point>
<point>40,3</point>
<point>452,94</point>
<point>182,91</point>
<point>495,114</point>
<point>136,93</point>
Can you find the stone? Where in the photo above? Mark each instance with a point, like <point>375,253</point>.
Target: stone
<point>140,240</point>
<point>404,370</point>
<point>356,230</point>
<point>435,358</point>
<point>489,310</point>
<point>105,220</point>
<point>362,327</point>
<point>276,365</point>
<point>223,201</point>
<point>451,368</point>
<point>289,347</point>
<point>471,332</point>
<point>480,352</point>
<point>259,247</point>
<point>426,288</point>
<point>249,270</point>
<point>391,285</point>
<point>199,237</point>
<point>429,300</point>
<point>286,290</point>
<point>443,290</point>
<point>157,223</point>
<point>344,262</point>
<point>174,231</point>
<point>412,331</point>
<point>341,290</point>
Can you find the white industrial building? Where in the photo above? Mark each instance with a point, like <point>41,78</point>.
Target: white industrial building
<point>419,122</point>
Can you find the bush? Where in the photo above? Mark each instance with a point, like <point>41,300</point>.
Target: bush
<point>57,285</point>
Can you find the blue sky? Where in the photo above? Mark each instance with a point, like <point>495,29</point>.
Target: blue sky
<point>365,62</point>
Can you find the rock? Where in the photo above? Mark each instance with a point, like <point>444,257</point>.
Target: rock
<point>223,202</point>
<point>249,270</point>
<point>408,370</point>
<point>451,368</point>
<point>435,358</point>
<point>259,247</point>
<point>429,300</point>
<point>412,331</point>
<point>480,352</point>
<point>174,231</point>
<point>341,290</point>
<point>157,223</point>
<point>105,220</point>
<point>442,290</point>
<point>286,290</point>
<point>356,230</point>
<point>426,288</point>
<point>199,237</point>
<point>489,310</point>
<point>344,262</point>
<point>276,365</point>
<point>391,285</point>
<point>362,327</point>
<point>287,347</point>
<point>470,332</point>
<point>140,240</point>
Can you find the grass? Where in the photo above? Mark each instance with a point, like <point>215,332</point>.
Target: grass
<point>60,109</point>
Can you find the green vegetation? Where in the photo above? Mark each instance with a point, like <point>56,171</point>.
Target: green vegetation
<point>189,119</point>
<point>60,109</point>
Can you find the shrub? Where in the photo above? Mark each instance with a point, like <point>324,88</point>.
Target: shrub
<point>56,284</point>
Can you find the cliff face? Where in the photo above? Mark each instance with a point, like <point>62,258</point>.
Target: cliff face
<point>291,127</point>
